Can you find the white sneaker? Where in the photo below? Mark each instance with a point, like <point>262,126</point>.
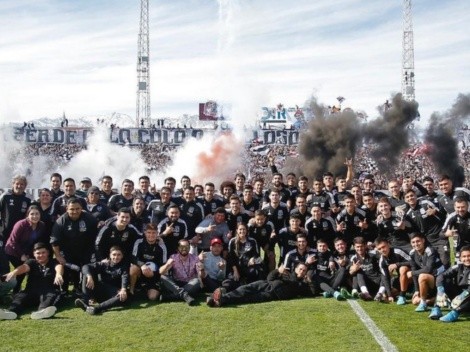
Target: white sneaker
<point>44,313</point>
<point>7,315</point>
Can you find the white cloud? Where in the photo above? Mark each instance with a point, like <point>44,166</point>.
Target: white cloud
<point>80,56</point>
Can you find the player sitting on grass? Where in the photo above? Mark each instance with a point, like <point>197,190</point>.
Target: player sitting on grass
<point>455,281</point>
<point>366,273</point>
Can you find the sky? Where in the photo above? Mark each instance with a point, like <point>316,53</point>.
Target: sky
<point>79,57</point>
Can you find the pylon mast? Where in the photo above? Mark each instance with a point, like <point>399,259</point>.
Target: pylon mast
<point>408,61</point>
<point>143,68</point>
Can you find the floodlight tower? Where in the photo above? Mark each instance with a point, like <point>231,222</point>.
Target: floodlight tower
<point>143,68</point>
<point>408,61</point>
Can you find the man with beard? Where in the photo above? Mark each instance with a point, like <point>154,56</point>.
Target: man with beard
<point>457,226</point>
<point>72,239</point>
<point>180,276</point>
<point>59,207</point>
<point>172,229</point>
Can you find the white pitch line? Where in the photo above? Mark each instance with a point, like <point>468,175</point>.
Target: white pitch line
<point>378,335</point>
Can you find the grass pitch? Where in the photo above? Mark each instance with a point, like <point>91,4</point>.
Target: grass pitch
<point>310,324</point>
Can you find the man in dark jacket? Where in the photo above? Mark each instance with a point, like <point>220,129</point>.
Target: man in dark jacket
<point>277,287</point>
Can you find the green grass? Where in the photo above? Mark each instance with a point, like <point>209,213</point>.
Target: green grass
<point>311,324</point>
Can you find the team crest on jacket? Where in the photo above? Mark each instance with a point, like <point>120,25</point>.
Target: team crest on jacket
<point>81,226</point>
<point>280,214</point>
<point>125,236</point>
<point>24,206</point>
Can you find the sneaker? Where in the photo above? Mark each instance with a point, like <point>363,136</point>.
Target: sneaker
<point>80,303</point>
<point>450,317</point>
<point>435,313</point>
<point>365,296</point>
<point>457,301</point>
<point>45,313</point>
<point>401,300</point>
<point>327,294</point>
<point>91,310</point>
<point>354,294</point>
<point>7,315</point>
<point>345,293</point>
<point>422,307</point>
<point>338,296</point>
<point>189,300</point>
<point>379,297</point>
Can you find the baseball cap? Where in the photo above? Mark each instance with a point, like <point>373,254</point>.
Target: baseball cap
<point>85,179</point>
<point>216,241</point>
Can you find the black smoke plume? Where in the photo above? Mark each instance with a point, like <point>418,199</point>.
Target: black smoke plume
<point>331,138</point>
<point>391,132</point>
<point>440,135</point>
<point>327,142</point>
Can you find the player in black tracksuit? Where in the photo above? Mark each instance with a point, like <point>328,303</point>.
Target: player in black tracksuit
<point>329,276</point>
<point>106,281</point>
<point>73,237</point>
<point>117,232</point>
<point>394,228</point>
<point>148,255</point>
<point>365,271</point>
<point>42,287</point>
<point>277,287</point>
<point>425,218</point>
<point>261,230</point>
<point>457,225</point>
<point>319,227</point>
<point>425,266</point>
<point>454,282</point>
<point>393,261</point>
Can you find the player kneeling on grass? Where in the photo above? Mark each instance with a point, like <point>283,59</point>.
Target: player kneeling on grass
<point>366,273</point>
<point>394,264</point>
<point>44,279</point>
<point>455,282</point>
<point>105,280</point>
<point>277,287</point>
<point>425,266</point>
<point>148,255</point>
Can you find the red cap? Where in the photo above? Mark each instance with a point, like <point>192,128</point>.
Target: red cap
<point>216,241</point>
